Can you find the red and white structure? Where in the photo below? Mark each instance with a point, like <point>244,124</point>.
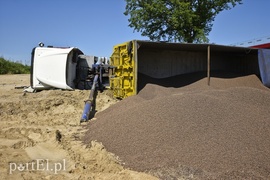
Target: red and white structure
<point>263,43</point>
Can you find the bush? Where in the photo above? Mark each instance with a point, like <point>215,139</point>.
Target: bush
<point>8,67</point>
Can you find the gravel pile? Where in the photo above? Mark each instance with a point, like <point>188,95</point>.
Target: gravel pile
<point>194,131</point>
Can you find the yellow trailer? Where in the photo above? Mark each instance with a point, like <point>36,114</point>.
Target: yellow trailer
<point>161,60</point>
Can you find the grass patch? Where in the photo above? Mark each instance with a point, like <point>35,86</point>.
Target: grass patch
<point>9,67</point>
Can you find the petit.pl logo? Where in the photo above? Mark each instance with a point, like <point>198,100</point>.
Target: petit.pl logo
<point>38,165</point>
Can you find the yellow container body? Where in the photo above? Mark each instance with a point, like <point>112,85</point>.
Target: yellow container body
<point>156,61</point>
<point>123,80</point>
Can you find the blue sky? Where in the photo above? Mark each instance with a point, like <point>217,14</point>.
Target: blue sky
<point>95,26</point>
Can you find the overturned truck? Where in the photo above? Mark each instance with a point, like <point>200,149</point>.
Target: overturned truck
<point>136,63</point>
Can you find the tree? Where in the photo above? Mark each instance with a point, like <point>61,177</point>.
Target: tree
<point>175,20</point>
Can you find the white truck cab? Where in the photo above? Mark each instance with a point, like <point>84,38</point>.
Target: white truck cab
<point>60,67</point>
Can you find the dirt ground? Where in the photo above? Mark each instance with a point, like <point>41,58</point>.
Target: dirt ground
<point>40,136</point>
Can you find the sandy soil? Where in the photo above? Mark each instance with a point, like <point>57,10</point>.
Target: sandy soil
<point>40,136</point>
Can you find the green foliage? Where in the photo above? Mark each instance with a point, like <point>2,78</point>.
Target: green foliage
<point>8,67</point>
<point>175,20</point>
